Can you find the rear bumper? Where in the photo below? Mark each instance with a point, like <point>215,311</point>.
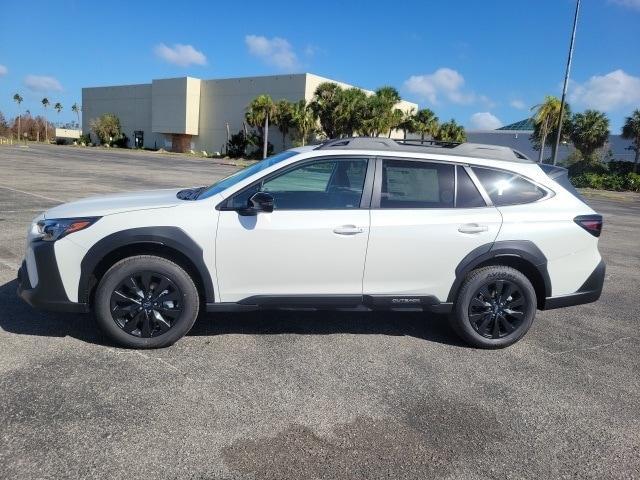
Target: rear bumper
<point>49,293</point>
<point>589,291</point>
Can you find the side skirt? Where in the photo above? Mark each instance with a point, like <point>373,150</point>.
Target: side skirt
<point>334,302</point>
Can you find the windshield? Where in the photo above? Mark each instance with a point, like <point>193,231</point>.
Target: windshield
<point>240,175</point>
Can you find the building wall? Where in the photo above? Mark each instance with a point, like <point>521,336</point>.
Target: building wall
<point>132,105</point>
<point>193,113</point>
<point>175,105</point>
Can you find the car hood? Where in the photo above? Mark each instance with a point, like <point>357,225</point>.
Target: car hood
<point>102,205</point>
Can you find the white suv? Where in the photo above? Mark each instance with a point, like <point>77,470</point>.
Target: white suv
<point>477,231</point>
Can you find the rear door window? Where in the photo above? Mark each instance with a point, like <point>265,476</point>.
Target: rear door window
<point>506,188</point>
<point>416,184</point>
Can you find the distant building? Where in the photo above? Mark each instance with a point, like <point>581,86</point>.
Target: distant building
<point>518,136</point>
<point>72,133</point>
<point>187,113</point>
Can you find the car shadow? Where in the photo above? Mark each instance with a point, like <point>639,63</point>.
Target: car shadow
<point>19,318</point>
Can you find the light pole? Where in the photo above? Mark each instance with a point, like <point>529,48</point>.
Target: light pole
<point>566,81</point>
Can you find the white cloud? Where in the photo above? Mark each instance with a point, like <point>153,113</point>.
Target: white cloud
<point>42,83</point>
<point>444,83</point>
<point>518,104</point>
<point>485,121</point>
<point>3,70</point>
<point>181,55</point>
<point>607,92</point>
<point>627,3</point>
<point>274,51</point>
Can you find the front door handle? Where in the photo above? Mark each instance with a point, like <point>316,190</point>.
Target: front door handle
<point>472,228</point>
<point>348,230</point>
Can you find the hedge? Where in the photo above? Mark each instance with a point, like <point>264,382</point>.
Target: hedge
<point>608,181</point>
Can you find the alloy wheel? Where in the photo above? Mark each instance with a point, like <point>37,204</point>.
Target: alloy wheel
<point>146,304</point>
<point>497,309</point>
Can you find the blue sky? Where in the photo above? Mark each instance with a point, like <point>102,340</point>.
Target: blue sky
<point>484,63</point>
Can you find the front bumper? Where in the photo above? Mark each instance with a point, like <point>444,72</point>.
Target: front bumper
<point>590,291</point>
<point>49,293</point>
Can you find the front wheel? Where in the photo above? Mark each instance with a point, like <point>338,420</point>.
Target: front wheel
<point>495,307</point>
<point>146,302</point>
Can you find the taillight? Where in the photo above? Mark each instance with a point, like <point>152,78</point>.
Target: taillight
<point>591,223</point>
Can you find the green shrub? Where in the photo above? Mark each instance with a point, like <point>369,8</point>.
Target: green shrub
<point>632,181</point>
<point>85,138</point>
<point>613,181</point>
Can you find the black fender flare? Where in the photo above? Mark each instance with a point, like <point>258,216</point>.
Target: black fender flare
<point>172,237</point>
<point>524,249</point>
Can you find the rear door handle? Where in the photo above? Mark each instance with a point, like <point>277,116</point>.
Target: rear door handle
<point>348,230</point>
<point>472,228</point>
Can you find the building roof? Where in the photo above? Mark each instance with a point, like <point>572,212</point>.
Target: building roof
<point>526,124</point>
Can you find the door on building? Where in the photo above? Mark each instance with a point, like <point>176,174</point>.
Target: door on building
<point>138,139</point>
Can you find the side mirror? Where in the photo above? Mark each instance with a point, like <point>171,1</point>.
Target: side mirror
<point>259,202</point>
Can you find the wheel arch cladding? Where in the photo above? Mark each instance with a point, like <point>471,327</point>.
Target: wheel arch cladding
<point>168,242</point>
<point>523,255</point>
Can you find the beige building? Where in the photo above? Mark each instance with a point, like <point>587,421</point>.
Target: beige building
<point>187,113</point>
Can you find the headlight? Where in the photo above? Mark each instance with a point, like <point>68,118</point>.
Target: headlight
<point>53,229</point>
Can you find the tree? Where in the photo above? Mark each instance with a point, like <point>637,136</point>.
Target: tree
<point>407,124</point>
<point>4,126</point>
<point>350,111</point>
<point>589,131</point>
<point>545,122</point>
<point>451,132</point>
<point>380,117</point>
<point>325,103</point>
<point>75,108</point>
<point>283,118</point>
<point>631,131</point>
<point>18,99</point>
<point>58,107</point>
<point>259,112</point>
<point>45,104</point>
<point>107,128</point>
<point>304,121</point>
<point>425,123</point>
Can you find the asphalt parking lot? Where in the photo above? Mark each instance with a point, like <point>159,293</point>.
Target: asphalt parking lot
<point>300,394</point>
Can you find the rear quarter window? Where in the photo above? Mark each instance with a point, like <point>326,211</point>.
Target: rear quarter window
<point>505,188</point>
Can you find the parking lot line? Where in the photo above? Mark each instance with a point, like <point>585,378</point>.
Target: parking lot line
<point>32,194</point>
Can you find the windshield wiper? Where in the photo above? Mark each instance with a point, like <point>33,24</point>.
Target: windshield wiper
<point>190,193</point>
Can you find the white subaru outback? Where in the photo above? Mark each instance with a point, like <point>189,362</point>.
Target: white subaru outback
<point>477,231</point>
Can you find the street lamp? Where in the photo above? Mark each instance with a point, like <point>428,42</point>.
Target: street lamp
<point>566,81</point>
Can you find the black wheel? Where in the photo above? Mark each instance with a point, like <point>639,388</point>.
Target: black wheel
<point>495,307</point>
<point>146,302</point>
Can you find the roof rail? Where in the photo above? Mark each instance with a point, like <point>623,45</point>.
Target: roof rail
<point>478,150</point>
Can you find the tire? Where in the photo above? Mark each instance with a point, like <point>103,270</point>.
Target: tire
<point>484,317</point>
<point>146,302</point>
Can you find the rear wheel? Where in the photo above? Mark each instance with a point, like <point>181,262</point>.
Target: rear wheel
<point>146,302</point>
<point>495,307</point>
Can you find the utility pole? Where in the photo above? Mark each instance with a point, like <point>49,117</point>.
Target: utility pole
<point>566,81</point>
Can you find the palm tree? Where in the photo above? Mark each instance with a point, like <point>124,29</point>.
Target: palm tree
<point>283,118</point>
<point>425,122</point>
<point>589,132</point>
<point>326,100</point>
<point>545,120</point>
<point>407,123</point>
<point>451,132</point>
<point>380,116</point>
<point>45,104</point>
<point>58,107</point>
<point>304,120</point>
<point>259,112</point>
<point>18,99</point>
<point>75,108</point>
<point>631,131</point>
<point>349,112</point>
